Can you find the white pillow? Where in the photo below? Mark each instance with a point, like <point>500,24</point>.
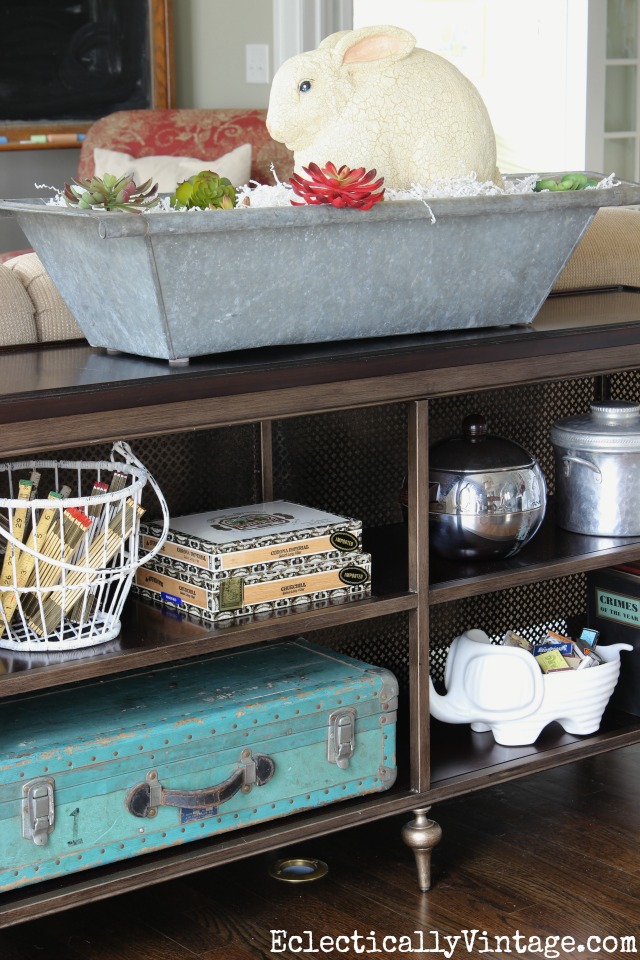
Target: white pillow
<point>168,172</point>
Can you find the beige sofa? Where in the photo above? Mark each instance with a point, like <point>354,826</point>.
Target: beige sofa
<point>31,309</point>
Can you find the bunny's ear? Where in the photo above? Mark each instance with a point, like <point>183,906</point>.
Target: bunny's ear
<point>371,45</point>
<point>333,39</point>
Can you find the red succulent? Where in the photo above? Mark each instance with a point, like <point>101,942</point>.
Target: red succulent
<point>340,188</point>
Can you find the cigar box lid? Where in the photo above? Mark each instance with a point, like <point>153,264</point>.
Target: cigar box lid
<point>256,522</point>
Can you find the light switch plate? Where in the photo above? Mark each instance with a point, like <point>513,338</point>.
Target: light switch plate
<point>257,62</point>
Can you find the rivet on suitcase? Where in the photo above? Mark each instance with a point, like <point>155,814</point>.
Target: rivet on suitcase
<point>104,771</point>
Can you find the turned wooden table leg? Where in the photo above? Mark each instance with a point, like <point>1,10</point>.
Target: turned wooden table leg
<point>422,835</point>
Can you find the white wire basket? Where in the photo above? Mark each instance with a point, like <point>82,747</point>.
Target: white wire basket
<point>70,554</point>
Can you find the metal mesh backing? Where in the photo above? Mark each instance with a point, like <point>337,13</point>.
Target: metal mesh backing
<point>529,610</point>
<point>625,385</point>
<point>384,642</point>
<point>352,462</point>
<point>197,471</point>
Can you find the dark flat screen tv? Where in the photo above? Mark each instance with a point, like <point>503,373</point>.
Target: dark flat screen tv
<point>75,60</point>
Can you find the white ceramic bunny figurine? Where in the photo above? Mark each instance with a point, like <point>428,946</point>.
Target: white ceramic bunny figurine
<point>371,98</point>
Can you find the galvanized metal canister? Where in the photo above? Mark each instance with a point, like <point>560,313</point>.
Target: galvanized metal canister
<point>598,470</point>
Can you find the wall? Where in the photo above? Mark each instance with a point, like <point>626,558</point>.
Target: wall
<point>210,38</point>
<point>20,170</point>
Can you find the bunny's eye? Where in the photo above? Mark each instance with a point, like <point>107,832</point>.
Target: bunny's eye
<point>304,86</point>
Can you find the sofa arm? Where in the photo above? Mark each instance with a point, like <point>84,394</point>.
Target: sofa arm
<point>31,308</point>
<point>12,254</point>
<point>608,255</point>
<point>17,312</point>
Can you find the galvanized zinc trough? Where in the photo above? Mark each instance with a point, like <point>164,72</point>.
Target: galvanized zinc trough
<point>175,285</point>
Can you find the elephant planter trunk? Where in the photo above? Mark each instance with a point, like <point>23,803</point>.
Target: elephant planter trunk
<point>502,689</point>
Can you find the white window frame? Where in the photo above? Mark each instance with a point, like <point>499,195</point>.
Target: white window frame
<point>300,25</point>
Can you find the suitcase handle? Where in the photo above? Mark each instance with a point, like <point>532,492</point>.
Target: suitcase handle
<point>144,799</point>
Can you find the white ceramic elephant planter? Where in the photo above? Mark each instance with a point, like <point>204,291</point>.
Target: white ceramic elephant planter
<point>502,689</point>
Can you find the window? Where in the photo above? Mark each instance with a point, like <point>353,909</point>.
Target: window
<point>528,59</point>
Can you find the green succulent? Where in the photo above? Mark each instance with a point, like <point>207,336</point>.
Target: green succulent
<point>111,193</point>
<point>205,190</point>
<point>570,181</point>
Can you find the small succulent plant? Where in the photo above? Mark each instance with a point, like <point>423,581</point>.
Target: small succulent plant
<point>205,190</point>
<point>111,193</point>
<point>570,181</point>
<point>341,187</point>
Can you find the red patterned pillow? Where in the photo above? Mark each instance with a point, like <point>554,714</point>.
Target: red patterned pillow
<point>188,133</point>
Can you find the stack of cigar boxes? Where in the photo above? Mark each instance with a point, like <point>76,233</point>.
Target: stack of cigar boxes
<point>253,560</point>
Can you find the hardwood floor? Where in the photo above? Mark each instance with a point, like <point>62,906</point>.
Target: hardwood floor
<point>554,855</point>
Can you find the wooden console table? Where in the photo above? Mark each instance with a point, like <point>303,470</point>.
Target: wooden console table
<point>338,426</point>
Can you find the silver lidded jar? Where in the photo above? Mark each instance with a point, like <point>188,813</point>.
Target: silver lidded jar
<point>598,470</point>
<point>487,495</point>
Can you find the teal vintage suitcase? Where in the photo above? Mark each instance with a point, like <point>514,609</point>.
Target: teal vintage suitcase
<point>104,771</point>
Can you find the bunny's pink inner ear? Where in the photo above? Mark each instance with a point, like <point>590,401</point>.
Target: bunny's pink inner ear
<point>378,46</point>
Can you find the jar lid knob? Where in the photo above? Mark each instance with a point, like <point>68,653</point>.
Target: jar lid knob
<point>474,427</point>
<point>615,410</point>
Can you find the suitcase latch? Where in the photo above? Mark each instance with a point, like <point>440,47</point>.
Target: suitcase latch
<point>38,811</point>
<point>341,744</point>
